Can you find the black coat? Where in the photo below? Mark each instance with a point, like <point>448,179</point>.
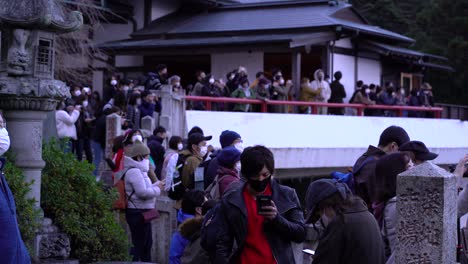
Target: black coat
<point>287,227</point>
<point>352,237</point>
<point>157,152</point>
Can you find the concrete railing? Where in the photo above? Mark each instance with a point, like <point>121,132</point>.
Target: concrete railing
<point>454,111</point>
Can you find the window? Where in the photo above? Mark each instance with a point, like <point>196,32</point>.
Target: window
<point>44,58</point>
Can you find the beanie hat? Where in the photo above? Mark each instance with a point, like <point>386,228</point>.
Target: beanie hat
<point>228,156</point>
<point>227,137</point>
<point>393,134</point>
<point>137,149</point>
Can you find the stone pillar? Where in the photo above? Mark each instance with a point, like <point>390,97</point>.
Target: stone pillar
<point>426,216</point>
<point>147,123</point>
<point>163,228</point>
<point>25,130</point>
<point>113,130</point>
<point>296,73</point>
<point>166,117</point>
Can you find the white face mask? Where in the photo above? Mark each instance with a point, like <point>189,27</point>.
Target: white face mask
<point>177,84</point>
<point>367,91</point>
<point>402,92</point>
<point>125,88</point>
<point>267,86</point>
<point>145,165</point>
<point>85,103</point>
<point>114,82</point>
<point>77,93</point>
<point>239,146</point>
<point>281,81</point>
<point>86,89</point>
<point>231,76</point>
<point>203,150</point>
<point>138,101</point>
<point>237,166</point>
<point>180,146</point>
<point>4,141</point>
<point>212,81</point>
<point>137,137</point>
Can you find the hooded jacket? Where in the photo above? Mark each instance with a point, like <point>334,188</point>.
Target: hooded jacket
<point>178,242</point>
<point>226,177</point>
<point>287,227</point>
<point>66,123</point>
<point>322,86</point>
<point>157,153</point>
<point>141,192</point>
<point>352,237</point>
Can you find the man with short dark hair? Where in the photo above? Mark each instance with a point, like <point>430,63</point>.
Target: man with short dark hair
<point>263,234</point>
<point>338,93</point>
<point>157,149</point>
<point>192,203</point>
<point>149,104</point>
<point>390,141</point>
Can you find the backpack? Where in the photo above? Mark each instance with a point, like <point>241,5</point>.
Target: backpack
<point>122,201</point>
<point>348,178</point>
<point>210,230</point>
<point>177,189</point>
<point>212,191</point>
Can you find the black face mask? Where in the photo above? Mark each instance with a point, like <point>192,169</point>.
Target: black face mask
<point>259,186</point>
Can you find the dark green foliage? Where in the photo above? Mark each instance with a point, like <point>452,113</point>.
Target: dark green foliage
<point>81,208</point>
<point>439,27</point>
<point>27,213</point>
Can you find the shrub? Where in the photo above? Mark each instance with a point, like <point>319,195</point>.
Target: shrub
<point>27,213</point>
<point>80,207</point>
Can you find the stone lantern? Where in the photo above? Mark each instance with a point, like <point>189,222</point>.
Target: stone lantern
<point>27,86</point>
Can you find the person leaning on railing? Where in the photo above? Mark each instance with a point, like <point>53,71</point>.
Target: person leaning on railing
<point>244,91</point>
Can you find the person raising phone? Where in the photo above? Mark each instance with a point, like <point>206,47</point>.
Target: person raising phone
<point>260,215</point>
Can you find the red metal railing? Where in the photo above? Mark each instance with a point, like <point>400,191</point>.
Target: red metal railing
<point>314,105</point>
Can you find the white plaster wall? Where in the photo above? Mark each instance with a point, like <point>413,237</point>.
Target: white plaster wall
<point>163,7</point>
<point>222,63</point>
<point>345,64</point>
<point>128,61</point>
<point>314,141</point>
<point>344,43</point>
<point>369,71</point>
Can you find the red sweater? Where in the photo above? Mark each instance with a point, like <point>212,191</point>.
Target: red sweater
<point>256,248</point>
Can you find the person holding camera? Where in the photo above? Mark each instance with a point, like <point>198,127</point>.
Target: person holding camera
<point>259,215</point>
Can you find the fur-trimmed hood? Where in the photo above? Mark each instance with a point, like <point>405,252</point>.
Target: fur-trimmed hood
<point>190,229</point>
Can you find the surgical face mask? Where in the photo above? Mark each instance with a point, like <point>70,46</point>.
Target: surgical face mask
<point>126,88</point>
<point>281,81</point>
<point>180,146</point>
<point>177,84</point>
<point>145,165</point>
<point>85,103</point>
<point>426,92</point>
<point>86,89</point>
<point>237,166</point>
<point>267,86</point>
<point>113,82</point>
<point>259,186</point>
<point>138,101</point>
<point>203,150</point>
<point>77,93</point>
<point>239,146</point>
<point>211,80</point>
<point>231,76</point>
<point>137,137</point>
<point>4,141</point>
<point>402,92</point>
<point>367,91</point>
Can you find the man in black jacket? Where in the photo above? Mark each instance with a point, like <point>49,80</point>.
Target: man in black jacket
<point>390,141</point>
<point>262,234</point>
<point>157,149</point>
<point>338,93</point>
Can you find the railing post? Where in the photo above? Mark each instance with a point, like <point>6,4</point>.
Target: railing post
<point>208,105</point>
<point>264,107</point>
<point>400,112</point>
<point>437,114</point>
<point>314,109</point>
<point>360,111</point>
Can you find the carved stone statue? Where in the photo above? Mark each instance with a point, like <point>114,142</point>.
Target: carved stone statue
<point>19,53</point>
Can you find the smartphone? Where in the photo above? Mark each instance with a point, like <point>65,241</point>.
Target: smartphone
<point>262,201</point>
<point>309,252</point>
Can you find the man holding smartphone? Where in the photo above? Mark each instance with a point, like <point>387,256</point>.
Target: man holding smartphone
<point>261,216</point>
